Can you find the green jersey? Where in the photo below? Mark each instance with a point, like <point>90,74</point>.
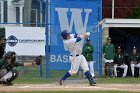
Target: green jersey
<point>135,58</point>
<point>15,64</point>
<point>88,52</point>
<point>109,51</point>
<point>119,58</point>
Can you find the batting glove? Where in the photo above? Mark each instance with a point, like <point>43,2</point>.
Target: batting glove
<point>88,33</point>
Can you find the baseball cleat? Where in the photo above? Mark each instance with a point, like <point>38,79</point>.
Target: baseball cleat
<point>92,84</point>
<point>61,82</point>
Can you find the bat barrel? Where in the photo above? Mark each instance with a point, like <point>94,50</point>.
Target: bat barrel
<point>100,23</point>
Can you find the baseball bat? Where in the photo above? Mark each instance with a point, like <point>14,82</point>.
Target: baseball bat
<point>100,23</point>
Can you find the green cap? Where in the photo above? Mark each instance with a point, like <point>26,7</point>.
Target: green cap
<point>134,47</point>
<point>88,39</point>
<point>119,47</point>
<point>108,38</point>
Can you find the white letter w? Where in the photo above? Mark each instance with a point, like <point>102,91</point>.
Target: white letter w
<point>76,19</point>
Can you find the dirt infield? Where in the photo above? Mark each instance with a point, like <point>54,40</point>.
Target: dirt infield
<point>71,87</point>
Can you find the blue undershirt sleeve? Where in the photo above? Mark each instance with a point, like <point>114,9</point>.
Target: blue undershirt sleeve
<point>78,39</point>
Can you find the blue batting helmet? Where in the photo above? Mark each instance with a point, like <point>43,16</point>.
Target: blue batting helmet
<point>64,34</point>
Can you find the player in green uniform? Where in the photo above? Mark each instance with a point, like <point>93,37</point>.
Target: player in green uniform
<point>109,52</point>
<point>88,50</point>
<point>134,60</point>
<point>119,62</point>
<point>8,72</point>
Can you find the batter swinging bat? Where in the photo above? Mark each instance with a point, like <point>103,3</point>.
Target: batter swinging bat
<point>100,23</point>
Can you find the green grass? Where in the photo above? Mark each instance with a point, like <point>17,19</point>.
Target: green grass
<point>56,75</point>
<point>34,73</point>
<point>129,80</point>
<point>74,92</point>
<point>99,80</point>
<point>60,73</point>
<point>31,75</point>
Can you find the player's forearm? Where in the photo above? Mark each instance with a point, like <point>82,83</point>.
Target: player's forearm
<point>29,64</point>
<point>83,36</point>
<point>37,61</point>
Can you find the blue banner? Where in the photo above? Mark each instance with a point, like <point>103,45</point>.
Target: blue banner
<point>76,16</point>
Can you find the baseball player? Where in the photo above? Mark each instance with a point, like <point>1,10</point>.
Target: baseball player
<point>88,50</point>
<point>109,52</point>
<point>134,60</point>
<point>8,72</point>
<point>119,62</point>
<point>71,41</point>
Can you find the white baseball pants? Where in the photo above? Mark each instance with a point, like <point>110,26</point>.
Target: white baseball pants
<point>133,68</point>
<point>124,66</point>
<point>7,76</point>
<point>76,62</point>
<point>91,67</point>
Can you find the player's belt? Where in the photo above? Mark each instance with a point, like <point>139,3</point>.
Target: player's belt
<point>76,55</point>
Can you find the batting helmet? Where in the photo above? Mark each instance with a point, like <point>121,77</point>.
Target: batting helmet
<point>64,34</point>
<point>11,55</point>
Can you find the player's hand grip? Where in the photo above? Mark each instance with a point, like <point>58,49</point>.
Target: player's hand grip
<point>88,33</point>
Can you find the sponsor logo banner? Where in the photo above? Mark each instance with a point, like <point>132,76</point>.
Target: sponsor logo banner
<point>25,40</point>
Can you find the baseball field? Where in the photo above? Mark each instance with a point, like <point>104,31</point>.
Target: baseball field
<point>73,85</point>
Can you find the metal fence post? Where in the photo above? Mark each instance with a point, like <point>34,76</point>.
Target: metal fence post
<point>47,46</point>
